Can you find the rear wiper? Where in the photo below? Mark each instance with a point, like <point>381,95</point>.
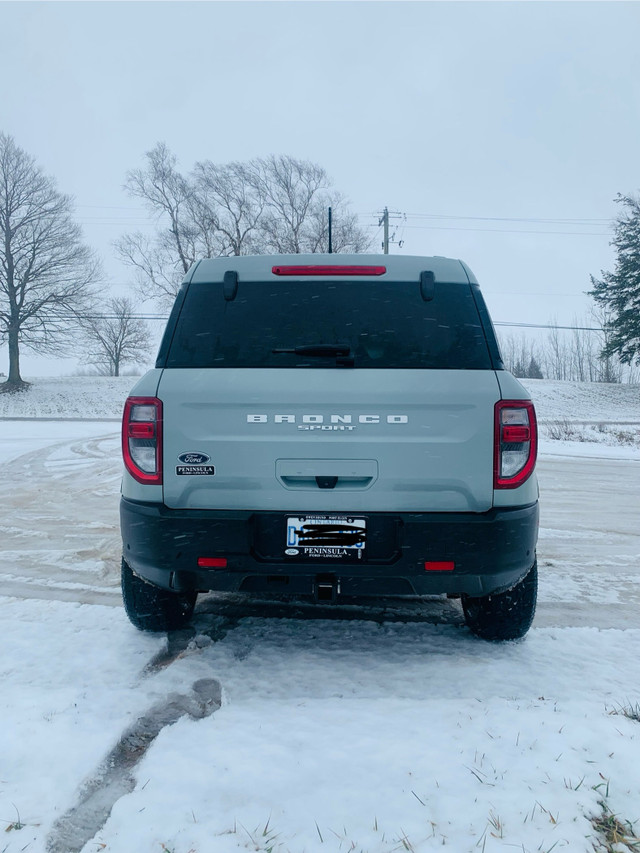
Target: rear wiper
<point>317,349</point>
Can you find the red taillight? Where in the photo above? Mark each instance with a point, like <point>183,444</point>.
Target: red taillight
<point>515,443</point>
<point>212,562</point>
<point>142,439</point>
<point>439,566</point>
<point>328,269</point>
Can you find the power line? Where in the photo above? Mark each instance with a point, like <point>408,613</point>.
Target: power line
<point>164,317</point>
<point>583,223</point>
<point>109,207</point>
<point>573,220</point>
<point>570,221</point>
<point>508,230</point>
<point>548,326</point>
<point>499,230</point>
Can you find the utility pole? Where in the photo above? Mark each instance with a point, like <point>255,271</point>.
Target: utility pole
<point>330,243</point>
<point>385,221</point>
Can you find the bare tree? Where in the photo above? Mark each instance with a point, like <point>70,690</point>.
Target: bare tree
<point>572,354</point>
<point>167,192</point>
<point>290,188</point>
<point>346,234</point>
<point>237,198</point>
<point>575,354</point>
<point>521,356</point>
<point>275,204</point>
<point>297,197</point>
<point>161,262</point>
<point>115,337</point>
<point>557,354</point>
<point>582,351</point>
<point>157,268</point>
<point>46,273</point>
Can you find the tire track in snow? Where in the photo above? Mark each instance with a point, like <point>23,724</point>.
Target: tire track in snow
<point>114,778</point>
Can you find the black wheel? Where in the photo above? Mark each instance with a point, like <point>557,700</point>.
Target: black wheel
<point>150,608</point>
<point>504,615</point>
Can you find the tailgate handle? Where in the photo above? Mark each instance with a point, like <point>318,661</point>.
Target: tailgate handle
<point>338,474</point>
<point>317,482</point>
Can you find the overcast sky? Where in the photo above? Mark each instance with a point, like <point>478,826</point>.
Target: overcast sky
<point>503,130</point>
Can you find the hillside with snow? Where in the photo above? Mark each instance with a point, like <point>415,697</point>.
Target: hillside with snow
<point>103,397</point>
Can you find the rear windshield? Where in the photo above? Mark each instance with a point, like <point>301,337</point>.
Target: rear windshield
<point>384,324</point>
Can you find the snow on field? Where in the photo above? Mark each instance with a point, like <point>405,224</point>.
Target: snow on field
<point>376,730</point>
<point>103,397</point>
<point>69,396</point>
<point>333,735</point>
<point>584,401</point>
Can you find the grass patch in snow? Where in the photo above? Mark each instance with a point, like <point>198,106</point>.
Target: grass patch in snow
<point>601,433</point>
<point>630,711</point>
<point>14,824</point>
<point>615,836</point>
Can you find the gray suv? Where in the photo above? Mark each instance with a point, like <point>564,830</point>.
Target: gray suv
<point>330,427</point>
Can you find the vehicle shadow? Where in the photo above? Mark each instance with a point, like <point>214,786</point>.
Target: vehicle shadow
<point>434,610</point>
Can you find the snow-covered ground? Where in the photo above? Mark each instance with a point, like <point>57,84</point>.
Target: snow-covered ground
<point>103,397</point>
<point>100,397</point>
<point>584,401</point>
<point>387,729</point>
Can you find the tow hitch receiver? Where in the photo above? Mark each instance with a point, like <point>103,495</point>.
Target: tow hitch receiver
<point>326,587</point>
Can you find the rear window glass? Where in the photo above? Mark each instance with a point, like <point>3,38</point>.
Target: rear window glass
<point>385,324</point>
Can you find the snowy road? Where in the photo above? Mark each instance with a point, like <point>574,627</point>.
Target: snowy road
<point>60,535</point>
<point>59,530</point>
<point>589,547</point>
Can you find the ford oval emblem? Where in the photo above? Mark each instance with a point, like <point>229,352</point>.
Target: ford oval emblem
<point>194,458</point>
<point>292,552</point>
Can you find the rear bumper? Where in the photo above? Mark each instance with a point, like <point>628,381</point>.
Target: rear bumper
<point>491,551</point>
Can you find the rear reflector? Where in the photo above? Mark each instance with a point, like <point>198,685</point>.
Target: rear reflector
<point>328,269</point>
<point>212,562</point>
<point>516,434</point>
<point>141,430</point>
<point>442,566</point>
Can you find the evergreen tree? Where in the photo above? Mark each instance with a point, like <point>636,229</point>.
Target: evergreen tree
<point>534,371</point>
<point>619,291</point>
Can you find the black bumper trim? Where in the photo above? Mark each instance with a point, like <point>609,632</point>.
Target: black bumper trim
<point>491,551</point>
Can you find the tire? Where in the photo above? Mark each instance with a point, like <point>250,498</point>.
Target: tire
<point>504,615</point>
<point>151,608</point>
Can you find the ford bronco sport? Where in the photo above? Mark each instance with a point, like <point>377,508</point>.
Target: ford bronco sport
<point>330,426</point>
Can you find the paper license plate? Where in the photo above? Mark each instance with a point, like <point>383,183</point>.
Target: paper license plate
<point>326,537</point>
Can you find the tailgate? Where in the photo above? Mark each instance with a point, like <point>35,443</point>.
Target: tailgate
<point>328,439</point>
